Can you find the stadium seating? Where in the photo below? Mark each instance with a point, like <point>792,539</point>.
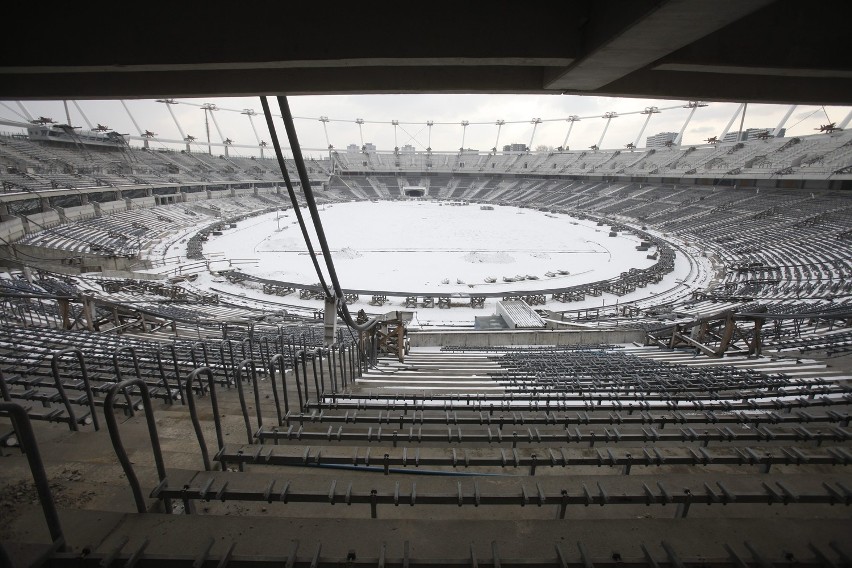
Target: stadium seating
<point>233,428</point>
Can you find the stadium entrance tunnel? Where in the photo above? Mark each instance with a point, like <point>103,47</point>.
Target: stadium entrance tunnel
<point>414,193</point>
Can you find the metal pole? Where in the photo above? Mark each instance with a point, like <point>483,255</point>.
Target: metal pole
<point>83,114</point>
<point>169,103</point>
<point>25,432</point>
<point>216,124</point>
<point>464,124</point>
<point>650,111</point>
<point>360,123</point>
<point>25,111</point>
<point>608,116</point>
<point>499,124</point>
<point>572,119</point>
<point>395,145</point>
<point>742,121</point>
<point>324,120</point>
<point>693,105</point>
<point>118,446</point>
<point>67,114</point>
<point>133,120</point>
<point>845,120</point>
<point>535,122</point>
<point>292,193</point>
<point>317,222</point>
<point>777,131</point>
<point>250,113</point>
<point>730,122</point>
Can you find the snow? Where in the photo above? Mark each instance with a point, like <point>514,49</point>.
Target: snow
<point>426,249</point>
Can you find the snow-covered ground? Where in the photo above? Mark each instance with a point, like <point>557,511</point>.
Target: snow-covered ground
<point>429,248</point>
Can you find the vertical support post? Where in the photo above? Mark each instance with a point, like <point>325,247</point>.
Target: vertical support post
<point>756,347</point>
<point>169,103</point>
<point>730,122</point>
<point>845,120</point>
<point>64,312</point>
<point>132,119</point>
<point>464,124</point>
<point>777,132</point>
<point>692,105</point>
<point>88,311</point>
<point>535,122</point>
<point>572,119</point>
<point>650,111</point>
<point>67,114</point>
<point>742,122</point>
<point>330,320</point>
<point>608,116</point>
<point>83,114</point>
<point>727,335</point>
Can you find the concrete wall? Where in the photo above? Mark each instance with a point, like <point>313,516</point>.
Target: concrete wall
<point>80,212</point>
<point>38,221</point>
<point>11,229</point>
<point>142,202</point>
<point>113,206</point>
<point>522,337</point>
<point>50,257</point>
<point>244,191</point>
<point>196,196</point>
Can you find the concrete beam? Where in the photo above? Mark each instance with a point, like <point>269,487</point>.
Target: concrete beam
<point>663,30</point>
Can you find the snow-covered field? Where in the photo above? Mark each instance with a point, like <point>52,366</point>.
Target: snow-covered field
<point>428,248</point>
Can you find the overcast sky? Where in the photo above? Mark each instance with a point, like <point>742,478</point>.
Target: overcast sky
<point>412,112</point>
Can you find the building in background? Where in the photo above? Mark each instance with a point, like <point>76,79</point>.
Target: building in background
<point>752,134</point>
<point>660,139</point>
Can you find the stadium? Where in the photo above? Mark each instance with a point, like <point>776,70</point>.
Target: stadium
<point>441,357</point>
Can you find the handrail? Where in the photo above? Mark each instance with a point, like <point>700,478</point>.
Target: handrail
<point>318,388</point>
<point>203,345</point>
<point>163,373</point>
<point>264,355</point>
<point>193,413</point>
<point>250,342</point>
<point>4,388</point>
<point>299,357</point>
<point>233,362</point>
<point>333,361</point>
<point>272,361</point>
<point>238,379</point>
<point>54,364</point>
<point>24,428</point>
<point>321,385</point>
<point>118,446</point>
<point>118,378</point>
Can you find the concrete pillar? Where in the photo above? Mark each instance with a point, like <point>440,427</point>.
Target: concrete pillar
<point>330,321</point>
<point>88,311</point>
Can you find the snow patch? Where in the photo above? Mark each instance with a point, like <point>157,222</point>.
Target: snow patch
<point>346,253</point>
<point>489,257</point>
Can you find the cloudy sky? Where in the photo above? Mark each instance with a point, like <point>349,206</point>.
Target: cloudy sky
<point>412,111</point>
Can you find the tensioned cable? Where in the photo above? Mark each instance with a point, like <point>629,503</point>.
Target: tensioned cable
<point>342,308</point>
<point>268,115</point>
<point>471,123</point>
